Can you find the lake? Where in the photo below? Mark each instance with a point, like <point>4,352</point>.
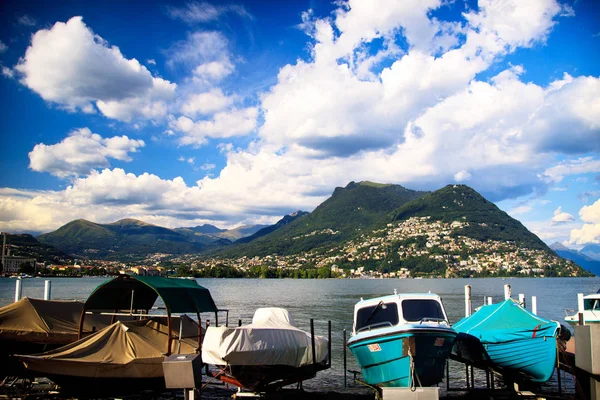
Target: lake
<point>333,300</point>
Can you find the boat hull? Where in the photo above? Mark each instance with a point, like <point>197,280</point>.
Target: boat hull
<point>404,358</point>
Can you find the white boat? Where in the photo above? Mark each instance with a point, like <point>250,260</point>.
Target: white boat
<point>266,354</point>
<point>589,306</point>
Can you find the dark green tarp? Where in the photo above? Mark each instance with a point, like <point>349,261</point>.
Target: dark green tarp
<point>179,295</point>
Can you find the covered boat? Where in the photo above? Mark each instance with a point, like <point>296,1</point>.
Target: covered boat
<point>509,339</point>
<point>123,357</point>
<point>33,325</point>
<point>270,352</point>
<point>402,340</point>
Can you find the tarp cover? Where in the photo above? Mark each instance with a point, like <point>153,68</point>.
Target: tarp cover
<point>134,349</point>
<point>270,339</point>
<point>504,322</point>
<point>46,321</point>
<point>179,295</point>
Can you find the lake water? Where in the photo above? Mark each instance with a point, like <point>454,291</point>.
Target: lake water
<point>333,300</point>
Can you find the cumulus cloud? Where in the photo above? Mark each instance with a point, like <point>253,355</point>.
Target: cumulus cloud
<point>561,217</point>
<point>581,165</point>
<point>80,153</point>
<point>71,66</point>
<point>206,103</point>
<point>590,231</point>
<point>222,125</point>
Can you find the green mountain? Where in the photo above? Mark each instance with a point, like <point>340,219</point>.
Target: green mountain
<point>25,245</point>
<point>212,236</point>
<point>350,211</point>
<point>461,203</point>
<point>127,238</point>
<point>272,228</point>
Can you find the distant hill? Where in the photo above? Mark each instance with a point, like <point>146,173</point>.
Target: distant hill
<point>25,245</point>
<point>349,211</point>
<point>272,228</point>
<point>210,235</point>
<point>127,238</point>
<point>592,251</point>
<point>579,258</point>
<point>460,202</point>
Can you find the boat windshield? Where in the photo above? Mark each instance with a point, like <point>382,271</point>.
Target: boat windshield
<point>591,304</point>
<point>418,309</point>
<point>379,315</point>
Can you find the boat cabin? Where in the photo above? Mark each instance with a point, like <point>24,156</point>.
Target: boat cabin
<point>398,309</point>
<point>589,306</point>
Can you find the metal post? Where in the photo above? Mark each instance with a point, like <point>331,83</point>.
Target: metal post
<point>522,300</point>
<point>47,290</point>
<point>507,291</point>
<point>467,300</point>
<point>534,304</point>
<point>345,364</point>
<point>18,289</point>
<point>489,300</point>
<point>312,340</point>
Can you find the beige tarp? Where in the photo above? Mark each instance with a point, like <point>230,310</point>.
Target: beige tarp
<point>134,349</point>
<point>46,321</point>
<point>271,339</point>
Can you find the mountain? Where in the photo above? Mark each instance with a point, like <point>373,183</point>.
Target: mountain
<point>127,238</point>
<point>206,228</point>
<point>350,211</point>
<point>265,231</point>
<point>578,257</point>
<point>210,235</point>
<point>25,245</point>
<point>462,203</point>
<point>592,251</point>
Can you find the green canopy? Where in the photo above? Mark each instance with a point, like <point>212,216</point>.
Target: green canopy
<point>140,293</point>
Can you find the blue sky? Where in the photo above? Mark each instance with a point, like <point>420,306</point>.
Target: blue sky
<point>229,113</point>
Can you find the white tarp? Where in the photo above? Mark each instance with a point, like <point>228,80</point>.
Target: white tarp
<point>270,339</point>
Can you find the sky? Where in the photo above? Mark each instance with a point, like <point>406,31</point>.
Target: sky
<point>237,113</point>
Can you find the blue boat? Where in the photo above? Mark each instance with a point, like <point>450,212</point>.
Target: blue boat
<point>401,340</point>
<point>509,339</point>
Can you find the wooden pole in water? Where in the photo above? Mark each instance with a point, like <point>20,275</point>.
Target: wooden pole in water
<point>522,300</point>
<point>345,363</point>
<point>329,342</point>
<point>534,304</point>
<point>579,302</point>
<point>47,290</point>
<point>312,339</point>
<point>489,300</point>
<point>467,300</point>
<point>18,289</point>
<point>507,291</point>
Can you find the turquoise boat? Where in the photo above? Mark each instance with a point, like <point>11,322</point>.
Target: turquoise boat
<point>401,340</point>
<point>509,339</point>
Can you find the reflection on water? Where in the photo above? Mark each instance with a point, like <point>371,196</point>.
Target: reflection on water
<point>333,300</point>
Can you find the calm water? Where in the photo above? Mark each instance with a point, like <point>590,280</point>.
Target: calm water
<point>333,300</point>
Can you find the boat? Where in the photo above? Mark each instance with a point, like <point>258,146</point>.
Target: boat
<point>127,356</point>
<point>267,354</point>
<point>510,340</point>
<point>401,340</point>
<point>33,325</point>
<point>124,357</point>
<point>589,306</point>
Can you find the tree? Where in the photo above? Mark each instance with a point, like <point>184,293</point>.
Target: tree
<point>27,268</point>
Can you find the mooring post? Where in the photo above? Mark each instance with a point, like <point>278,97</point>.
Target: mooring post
<point>312,340</point>
<point>18,289</point>
<point>345,364</point>
<point>467,300</point>
<point>522,300</point>
<point>507,291</point>
<point>489,300</point>
<point>239,322</point>
<point>329,342</point>
<point>579,302</point>
<point>47,290</point>
<point>534,304</point>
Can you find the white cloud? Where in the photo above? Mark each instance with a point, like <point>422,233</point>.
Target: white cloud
<point>520,210</point>
<point>206,103</point>
<point>581,165</point>
<point>151,61</point>
<point>561,217</point>
<point>221,125</point>
<point>81,152</point>
<point>213,71</point>
<point>462,176</point>
<point>7,72</point>
<point>201,12</point>
<point>71,66</point>
<point>590,231</point>
<point>3,47</point>
<point>26,20</point>
<point>207,166</point>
